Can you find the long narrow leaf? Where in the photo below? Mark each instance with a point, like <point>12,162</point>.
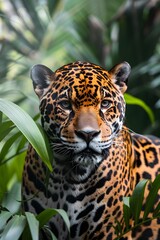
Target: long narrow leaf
<point>126,211</point>
<point>150,201</point>
<point>157,210</point>
<point>118,228</point>
<point>1,117</point>
<point>5,128</point>
<point>4,216</point>
<point>52,236</point>
<point>21,144</point>
<point>52,5</point>
<point>12,199</point>
<point>14,228</point>
<point>136,200</point>
<point>48,213</point>
<point>30,7</point>
<point>29,129</point>
<point>33,225</point>
<point>136,101</point>
<point>7,145</point>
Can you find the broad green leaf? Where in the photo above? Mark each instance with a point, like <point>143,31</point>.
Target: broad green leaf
<point>136,101</point>
<point>4,216</point>
<point>126,211</point>
<point>150,201</point>
<point>7,145</point>
<point>52,236</point>
<point>12,199</point>
<point>126,201</point>
<point>33,225</point>
<point>136,200</point>
<point>48,213</point>
<point>14,228</point>
<point>29,129</point>
<point>5,128</point>
<point>65,217</point>
<point>21,144</point>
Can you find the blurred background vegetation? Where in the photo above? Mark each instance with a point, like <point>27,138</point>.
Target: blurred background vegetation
<point>56,32</point>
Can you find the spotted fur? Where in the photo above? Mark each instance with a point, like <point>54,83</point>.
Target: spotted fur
<point>97,159</point>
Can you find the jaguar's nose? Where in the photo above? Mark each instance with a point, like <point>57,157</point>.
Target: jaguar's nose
<point>87,135</point>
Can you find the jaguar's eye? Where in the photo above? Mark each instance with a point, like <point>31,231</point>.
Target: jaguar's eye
<point>105,104</point>
<point>66,104</point>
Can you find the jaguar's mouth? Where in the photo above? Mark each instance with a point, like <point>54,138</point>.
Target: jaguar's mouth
<point>88,152</point>
<point>87,157</point>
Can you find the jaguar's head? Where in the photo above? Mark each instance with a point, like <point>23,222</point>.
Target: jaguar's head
<point>82,109</point>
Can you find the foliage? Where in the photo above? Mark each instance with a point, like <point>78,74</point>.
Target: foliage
<point>30,130</point>
<point>136,101</point>
<point>14,224</point>
<point>57,32</point>
<point>132,207</point>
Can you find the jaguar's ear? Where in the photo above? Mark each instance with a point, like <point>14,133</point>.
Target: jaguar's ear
<point>119,74</point>
<point>41,77</point>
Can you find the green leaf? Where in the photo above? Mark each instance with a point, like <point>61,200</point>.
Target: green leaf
<point>29,129</point>
<point>21,145</point>
<point>5,128</point>
<point>126,201</point>
<point>136,101</point>
<point>33,225</point>
<point>150,201</point>
<point>65,217</point>
<point>157,210</point>
<point>1,115</point>
<point>48,213</point>
<point>12,199</point>
<point>52,236</point>
<point>136,200</point>
<point>126,211</point>
<point>14,228</point>
<point>118,228</point>
<point>7,145</point>
<point>4,216</point>
<point>52,6</point>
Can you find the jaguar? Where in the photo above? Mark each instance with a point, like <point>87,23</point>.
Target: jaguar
<point>97,159</point>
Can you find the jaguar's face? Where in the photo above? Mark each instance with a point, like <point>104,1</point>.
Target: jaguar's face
<point>82,108</point>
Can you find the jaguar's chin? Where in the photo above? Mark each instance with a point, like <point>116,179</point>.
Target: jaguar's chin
<point>87,159</point>
<point>78,166</point>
